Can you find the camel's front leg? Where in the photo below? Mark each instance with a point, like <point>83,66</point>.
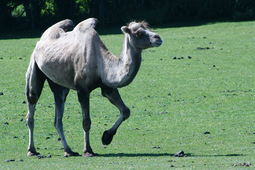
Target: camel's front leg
<point>86,122</point>
<point>114,97</point>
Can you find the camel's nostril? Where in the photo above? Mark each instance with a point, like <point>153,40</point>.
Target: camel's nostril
<point>156,36</point>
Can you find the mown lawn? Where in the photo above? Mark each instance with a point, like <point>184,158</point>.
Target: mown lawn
<point>172,101</point>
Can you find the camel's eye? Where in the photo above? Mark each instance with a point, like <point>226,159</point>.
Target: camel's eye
<point>139,33</point>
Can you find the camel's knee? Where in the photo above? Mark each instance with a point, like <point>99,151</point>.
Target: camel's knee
<point>126,113</point>
<point>86,124</point>
<point>32,98</point>
<point>30,120</point>
<point>30,123</point>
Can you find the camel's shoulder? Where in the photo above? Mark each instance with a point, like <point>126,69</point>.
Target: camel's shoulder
<point>86,24</point>
<point>56,30</point>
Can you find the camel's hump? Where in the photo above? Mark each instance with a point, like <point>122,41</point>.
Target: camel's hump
<point>65,24</point>
<point>56,30</point>
<point>88,23</point>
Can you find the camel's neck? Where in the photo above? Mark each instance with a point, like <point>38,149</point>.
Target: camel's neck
<point>120,72</point>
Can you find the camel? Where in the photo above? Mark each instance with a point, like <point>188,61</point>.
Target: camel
<point>79,60</point>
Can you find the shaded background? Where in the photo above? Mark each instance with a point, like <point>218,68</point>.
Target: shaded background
<point>40,14</point>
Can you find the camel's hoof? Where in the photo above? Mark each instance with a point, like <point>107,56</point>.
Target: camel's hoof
<point>88,154</point>
<point>107,138</point>
<point>67,154</point>
<point>33,153</point>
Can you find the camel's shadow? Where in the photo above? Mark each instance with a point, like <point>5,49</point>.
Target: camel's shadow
<point>158,155</point>
<point>161,155</point>
<point>136,155</point>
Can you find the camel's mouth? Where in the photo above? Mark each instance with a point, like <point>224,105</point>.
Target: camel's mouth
<point>157,43</point>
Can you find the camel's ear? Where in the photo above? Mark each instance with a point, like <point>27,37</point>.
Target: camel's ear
<point>125,29</point>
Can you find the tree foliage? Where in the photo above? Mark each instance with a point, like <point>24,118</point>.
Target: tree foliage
<point>39,14</point>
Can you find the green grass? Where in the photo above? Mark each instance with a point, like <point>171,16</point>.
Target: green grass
<point>172,103</point>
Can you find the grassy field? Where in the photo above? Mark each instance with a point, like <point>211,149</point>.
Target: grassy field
<point>172,101</point>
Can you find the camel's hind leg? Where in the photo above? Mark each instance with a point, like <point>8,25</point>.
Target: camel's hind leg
<point>114,97</point>
<point>60,94</point>
<point>34,84</point>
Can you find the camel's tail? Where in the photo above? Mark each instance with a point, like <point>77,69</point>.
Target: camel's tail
<point>58,29</point>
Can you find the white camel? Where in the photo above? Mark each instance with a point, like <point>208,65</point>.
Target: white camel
<point>79,60</point>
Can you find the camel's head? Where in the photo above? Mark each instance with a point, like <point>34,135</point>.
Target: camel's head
<point>140,36</point>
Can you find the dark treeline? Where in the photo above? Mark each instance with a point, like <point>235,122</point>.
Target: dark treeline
<point>39,14</point>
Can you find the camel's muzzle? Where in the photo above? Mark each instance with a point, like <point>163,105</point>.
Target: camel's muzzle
<point>156,40</point>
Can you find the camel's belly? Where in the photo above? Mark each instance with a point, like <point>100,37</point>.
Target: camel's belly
<point>59,72</point>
